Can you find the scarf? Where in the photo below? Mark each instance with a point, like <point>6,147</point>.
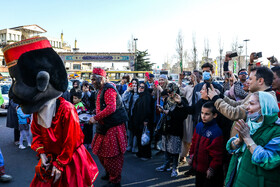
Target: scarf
<point>269,108</point>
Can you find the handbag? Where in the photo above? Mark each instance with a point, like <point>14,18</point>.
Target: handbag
<point>145,138</point>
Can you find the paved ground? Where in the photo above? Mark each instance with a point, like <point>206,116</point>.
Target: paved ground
<point>21,163</point>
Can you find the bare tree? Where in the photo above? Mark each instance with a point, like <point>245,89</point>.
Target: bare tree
<point>179,48</point>
<point>234,45</point>
<point>207,49</point>
<point>194,53</point>
<point>187,59</point>
<point>221,48</point>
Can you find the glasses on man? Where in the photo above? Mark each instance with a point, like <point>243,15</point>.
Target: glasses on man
<point>142,87</point>
<point>243,73</point>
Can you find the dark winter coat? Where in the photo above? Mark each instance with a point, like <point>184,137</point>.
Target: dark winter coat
<point>142,111</point>
<point>174,120</point>
<point>12,119</point>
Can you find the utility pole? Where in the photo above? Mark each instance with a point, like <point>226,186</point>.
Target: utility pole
<point>246,40</point>
<point>221,52</point>
<point>135,58</point>
<point>239,61</point>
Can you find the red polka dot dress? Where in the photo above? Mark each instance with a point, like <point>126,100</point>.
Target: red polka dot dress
<point>110,147</point>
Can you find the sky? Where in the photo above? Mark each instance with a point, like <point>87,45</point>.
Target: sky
<point>108,25</point>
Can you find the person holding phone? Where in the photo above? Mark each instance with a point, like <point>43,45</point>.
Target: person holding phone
<point>172,129</point>
<point>130,97</point>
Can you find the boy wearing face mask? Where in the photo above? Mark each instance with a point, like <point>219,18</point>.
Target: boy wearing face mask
<point>208,71</point>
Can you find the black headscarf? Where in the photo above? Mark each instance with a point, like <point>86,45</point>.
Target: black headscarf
<point>143,110</point>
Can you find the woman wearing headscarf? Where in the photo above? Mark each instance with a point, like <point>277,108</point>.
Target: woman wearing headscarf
<point>158,89</point>
<point>129,99</point>
<point>172,129</point>
<point>142,115</point>
<point>256,150</point>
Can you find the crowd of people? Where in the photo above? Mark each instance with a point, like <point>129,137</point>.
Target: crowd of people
<point>228,133</point>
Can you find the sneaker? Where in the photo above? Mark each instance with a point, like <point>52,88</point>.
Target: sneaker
<point>17,143</point>
<point>174,173</point>
<point>29,145</point>
<point>21,147</point>
<point>163,168</point>
<point>5,178</point>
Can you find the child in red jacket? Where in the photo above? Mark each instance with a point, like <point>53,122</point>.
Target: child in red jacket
<point>206,153</point>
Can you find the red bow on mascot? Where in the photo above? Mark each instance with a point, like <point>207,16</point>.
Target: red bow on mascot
<point>39,79</point>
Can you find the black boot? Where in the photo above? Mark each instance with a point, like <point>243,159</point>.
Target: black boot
<point>105,177</point>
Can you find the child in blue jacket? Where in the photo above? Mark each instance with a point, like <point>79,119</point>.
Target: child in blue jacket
<point>24,122</point>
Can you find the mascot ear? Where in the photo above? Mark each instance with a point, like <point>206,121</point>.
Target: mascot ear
<point>42,80</point>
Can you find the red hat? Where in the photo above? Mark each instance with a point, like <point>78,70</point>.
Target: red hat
<point>14,51</point>
<point>99,71</point>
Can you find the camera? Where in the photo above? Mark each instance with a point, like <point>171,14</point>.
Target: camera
<point>233,55</point>
<point>272,59</point>
<point>258,55</point>
<point>187,73</point>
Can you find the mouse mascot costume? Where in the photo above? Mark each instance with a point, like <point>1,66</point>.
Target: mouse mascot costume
<point>39,79</point>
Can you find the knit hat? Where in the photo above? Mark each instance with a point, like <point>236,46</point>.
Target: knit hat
<point>99,71</point>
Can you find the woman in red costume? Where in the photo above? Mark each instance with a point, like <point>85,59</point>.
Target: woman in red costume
<point>110,140</point>
<point>39,79</point>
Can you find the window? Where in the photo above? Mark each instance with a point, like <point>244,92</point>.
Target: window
<point>10,36</point>
<point>15,38</point>
<point>76,66</point>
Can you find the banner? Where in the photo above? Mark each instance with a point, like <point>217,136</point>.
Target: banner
<point>234,67</point>
<point>216,68</point>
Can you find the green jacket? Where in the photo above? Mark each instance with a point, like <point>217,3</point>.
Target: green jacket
<point>249,174</point>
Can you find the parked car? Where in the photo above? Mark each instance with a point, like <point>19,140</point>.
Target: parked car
<point>5,91</point>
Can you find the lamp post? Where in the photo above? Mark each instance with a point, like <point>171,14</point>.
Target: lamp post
<point>135,59</point>
<point>239,61</point>
<point>246,40</point>
<point>221,52</point>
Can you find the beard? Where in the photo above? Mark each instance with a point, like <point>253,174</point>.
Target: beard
<point>98,83</point>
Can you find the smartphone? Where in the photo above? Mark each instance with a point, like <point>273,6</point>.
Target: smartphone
<point>233,55</point>
<point>258,55</point>
<point>187,73</point>
<point>271,59</point>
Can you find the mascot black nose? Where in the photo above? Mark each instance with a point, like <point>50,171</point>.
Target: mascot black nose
<point>42,80</point>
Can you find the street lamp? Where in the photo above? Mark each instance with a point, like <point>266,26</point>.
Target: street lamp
<point>221,52</point>
<point>240,51</point>
<point>246,40</point>
<point>135,59</point>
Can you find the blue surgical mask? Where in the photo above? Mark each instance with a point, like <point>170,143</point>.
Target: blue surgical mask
<point>206,76</point>
<point>254,117</point>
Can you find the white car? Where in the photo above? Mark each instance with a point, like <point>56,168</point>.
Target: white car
<point>5,90</point>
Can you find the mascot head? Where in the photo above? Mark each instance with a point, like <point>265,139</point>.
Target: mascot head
<point>37,71</point>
